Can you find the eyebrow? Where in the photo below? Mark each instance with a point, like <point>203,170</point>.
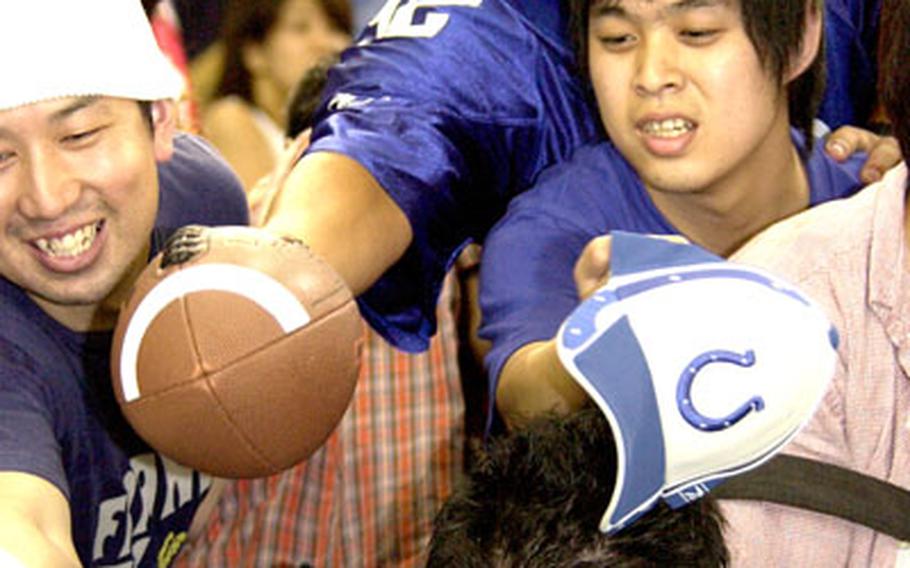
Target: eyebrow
<point>601,8</point>
<point>74,107</point>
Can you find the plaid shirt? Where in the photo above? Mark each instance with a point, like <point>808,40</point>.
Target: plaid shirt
<point>368,497</point>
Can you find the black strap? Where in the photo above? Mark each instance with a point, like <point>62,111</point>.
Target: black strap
<point>825,488</point>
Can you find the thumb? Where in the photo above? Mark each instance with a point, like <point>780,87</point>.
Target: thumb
<point>593,266</point>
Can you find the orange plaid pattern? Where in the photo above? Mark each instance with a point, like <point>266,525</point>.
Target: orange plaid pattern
<point>368,497</point>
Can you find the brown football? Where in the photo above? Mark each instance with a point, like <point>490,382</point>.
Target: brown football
<point>236,352</point>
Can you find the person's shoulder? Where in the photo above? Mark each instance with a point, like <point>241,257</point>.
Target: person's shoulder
<point>222,113</point>
<point>229,119</point>
<point>595,168</point>
<point>815,238</point>
<point>197,177</point>
<point>196,159</point>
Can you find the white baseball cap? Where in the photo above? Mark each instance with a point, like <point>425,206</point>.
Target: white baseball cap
<point>703,368</point>
<point>61,48</point>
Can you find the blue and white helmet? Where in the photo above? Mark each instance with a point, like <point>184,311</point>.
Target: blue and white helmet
<point>703,368</point>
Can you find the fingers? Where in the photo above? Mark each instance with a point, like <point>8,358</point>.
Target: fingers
<point>882,157</point>
<point>883,151</point>
<point>593,266</point>
<point>844,142</point>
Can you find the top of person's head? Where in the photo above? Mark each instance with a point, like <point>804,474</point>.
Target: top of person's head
<point>535,498</point>
<point>894,77</point>
<point>250,21</point>
<point>776,29</point>
<point>67,48</point>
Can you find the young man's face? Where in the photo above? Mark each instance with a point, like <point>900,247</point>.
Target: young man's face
<point>78,198</point>
<point>681,90</point>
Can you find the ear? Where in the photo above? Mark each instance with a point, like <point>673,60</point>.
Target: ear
<point>164,125</point>
<point>811,44</point>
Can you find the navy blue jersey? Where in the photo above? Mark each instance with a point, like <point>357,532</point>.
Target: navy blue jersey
<point>59,419</point>
<point>527,282</point>
<point>454,107</point>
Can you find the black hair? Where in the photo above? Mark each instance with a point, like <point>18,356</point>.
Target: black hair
<point>535,498</point>
<point>145,108</point>
<point>776,29</point>
<point>249,21</point>
<point>894,78</point>
<point>306,97</point>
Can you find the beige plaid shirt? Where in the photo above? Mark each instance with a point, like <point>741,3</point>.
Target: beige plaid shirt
<point>850,256</point>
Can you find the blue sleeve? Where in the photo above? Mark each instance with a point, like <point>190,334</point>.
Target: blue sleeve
<point>527,286</point>
<point>28,442</point>
<point>451,126</point>
<point>526,282</point>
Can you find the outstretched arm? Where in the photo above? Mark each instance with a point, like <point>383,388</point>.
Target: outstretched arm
<point>533,381</point>
<point>333,204</point>
<point>34,522</point>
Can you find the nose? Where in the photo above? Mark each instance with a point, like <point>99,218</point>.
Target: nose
<point>658,71</point>
<point>48,187</point>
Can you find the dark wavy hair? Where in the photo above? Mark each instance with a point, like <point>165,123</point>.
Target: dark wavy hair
<point>535,499</point>
<point>894,77</point>
<point>775,28</point>
<point>249,21</point>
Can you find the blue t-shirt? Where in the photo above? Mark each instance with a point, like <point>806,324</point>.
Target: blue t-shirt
<point>454,109</point>
<point>526,277</point>
<point>59,419</point>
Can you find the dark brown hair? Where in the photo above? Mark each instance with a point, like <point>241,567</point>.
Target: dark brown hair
<point>775,28</point>
<point>894,77</point>
<point>249,21</point>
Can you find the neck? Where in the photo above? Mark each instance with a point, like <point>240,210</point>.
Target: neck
<point>771,185</point>
<point>271,99</point>
<point>99,316</point>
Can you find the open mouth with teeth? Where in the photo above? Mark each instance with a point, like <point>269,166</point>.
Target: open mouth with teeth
<point>669,128</point>
<point>72,244</point>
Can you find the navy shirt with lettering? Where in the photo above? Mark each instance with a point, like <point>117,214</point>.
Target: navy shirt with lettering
<point>58,416</point>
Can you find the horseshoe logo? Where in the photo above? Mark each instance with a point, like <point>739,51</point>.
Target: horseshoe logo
<point>684,391</point>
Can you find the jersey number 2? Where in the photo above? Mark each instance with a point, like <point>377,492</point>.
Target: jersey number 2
<point>397,18</point>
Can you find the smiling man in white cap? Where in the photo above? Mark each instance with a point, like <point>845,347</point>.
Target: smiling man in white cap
<point>93,177</point>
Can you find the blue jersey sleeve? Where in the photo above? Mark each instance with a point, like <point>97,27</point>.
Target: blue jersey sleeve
<point>453,109</point>
<point>527,285</point>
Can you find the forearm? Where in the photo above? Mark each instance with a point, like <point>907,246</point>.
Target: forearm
<point>335,206</point>
<point>534,382</point>
<point>23,540</point>
<point>35,522</point>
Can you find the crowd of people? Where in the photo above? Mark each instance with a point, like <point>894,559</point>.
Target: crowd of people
<point>768,132</point>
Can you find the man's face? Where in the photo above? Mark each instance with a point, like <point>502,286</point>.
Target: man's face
<point>682,92</point>
<point>78,198</point>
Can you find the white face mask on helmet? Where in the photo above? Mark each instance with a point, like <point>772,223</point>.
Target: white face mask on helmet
<point>703,368</point>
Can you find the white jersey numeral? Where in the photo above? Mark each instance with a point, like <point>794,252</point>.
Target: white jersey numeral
<point>397,18</point>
